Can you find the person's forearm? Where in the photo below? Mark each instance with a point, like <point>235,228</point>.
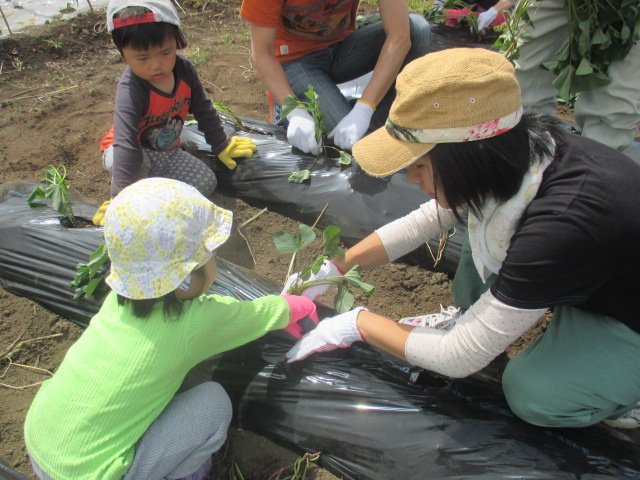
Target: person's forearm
<point>384,333</point>
<point>395,18</point>
<point>273,77</point>
<point>503,5</point>
<point>269,68</point>
<point>369,252</point>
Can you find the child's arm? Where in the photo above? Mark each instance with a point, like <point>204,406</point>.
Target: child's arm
<point>215,324</point>
<point>205,114</point>
<point>209,122</point>
<point>131,103</point>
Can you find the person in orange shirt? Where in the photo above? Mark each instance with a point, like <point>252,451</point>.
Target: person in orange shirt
<point>299,43</point>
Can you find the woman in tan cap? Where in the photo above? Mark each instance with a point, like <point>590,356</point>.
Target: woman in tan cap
<point>552,223</point>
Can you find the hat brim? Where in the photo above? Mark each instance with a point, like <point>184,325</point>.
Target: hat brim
<point>379,154</point>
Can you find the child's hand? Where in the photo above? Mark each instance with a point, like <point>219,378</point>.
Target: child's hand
<point>301,307</point>
<point>98,218</point>
<point>238,147</point>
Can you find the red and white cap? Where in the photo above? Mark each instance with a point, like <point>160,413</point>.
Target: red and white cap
<point>159,11</point>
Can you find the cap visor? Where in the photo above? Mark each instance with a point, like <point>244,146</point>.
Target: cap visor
<point>379,154</point>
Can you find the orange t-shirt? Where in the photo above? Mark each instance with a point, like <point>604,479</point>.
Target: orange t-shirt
<point>302,26</point>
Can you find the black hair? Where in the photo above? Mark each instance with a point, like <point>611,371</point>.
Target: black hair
<point>172,307</point>
<point>142,36</point>
<point>469,173</point>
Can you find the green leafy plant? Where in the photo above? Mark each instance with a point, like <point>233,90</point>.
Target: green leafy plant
<point>312,106</point>
<point>89,278</point>
<point>600,32</point>
<point>513,30</point>
<point>68,8</point>
<point>57,190</point>
<point>52,43</point>
<point>287,243</point>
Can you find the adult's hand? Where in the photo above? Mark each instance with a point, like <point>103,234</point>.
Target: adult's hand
<point>353,126</point>
<point>328,269</point>
<point>485,18</point>
<point>331,333</point>
<point>301,132</point>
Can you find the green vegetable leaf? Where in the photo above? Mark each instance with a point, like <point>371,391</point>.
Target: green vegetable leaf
<point>299,177</point>
<point>345,158</point>
<point>354,278</point>
<point>288,243</point>
<point>584,68</point>
<point>289,104</point>
<point>331,241</point>
<point>344,300</point>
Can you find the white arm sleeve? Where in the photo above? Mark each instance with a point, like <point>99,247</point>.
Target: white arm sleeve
<point>480,334</point>
<point>409,232</point>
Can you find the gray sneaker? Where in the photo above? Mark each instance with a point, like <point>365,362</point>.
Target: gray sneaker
<point>631,419</point>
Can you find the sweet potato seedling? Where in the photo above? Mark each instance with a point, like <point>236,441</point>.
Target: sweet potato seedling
<point>312,106</point>
<point>89,278</point>
<point>57,190</point>
<point>290,243</point>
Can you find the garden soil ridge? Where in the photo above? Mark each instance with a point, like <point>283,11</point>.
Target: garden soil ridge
<point>57,87</point>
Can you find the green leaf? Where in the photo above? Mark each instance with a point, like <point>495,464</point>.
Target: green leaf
<point>563,82</point>
<point>625,33</point>
<point>344,300</point>
<point>331,240</point>
<point>37,194</point>
<point>299,177</point>
<point>289,104</point>
<point>584,68</point>
<point>317,264</point>
<point>345,158</point>
<point>599,37</point>
<point>311,95</point>
<point>354,278</point>
<point>288,243</point>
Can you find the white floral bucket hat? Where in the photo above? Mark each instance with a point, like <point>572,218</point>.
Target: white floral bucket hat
<point>157,231</point>
<point>455,95</point>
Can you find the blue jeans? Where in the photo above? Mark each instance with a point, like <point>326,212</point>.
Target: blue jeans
<point>341,62</point>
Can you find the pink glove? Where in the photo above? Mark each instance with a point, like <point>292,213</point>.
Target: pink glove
<point>301,131</point>
<point>352,127</point>
<point>301,307</point>
<point>328,269</point>
<point>332,333</point>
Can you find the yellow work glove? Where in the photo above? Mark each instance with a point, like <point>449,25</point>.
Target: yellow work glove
<point>238,147</point>
<point>98,218</point>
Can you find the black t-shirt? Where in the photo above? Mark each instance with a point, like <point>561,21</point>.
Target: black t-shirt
<point>578,242</point>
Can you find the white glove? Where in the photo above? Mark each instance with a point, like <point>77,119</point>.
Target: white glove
<point>301,131</point>
<point>485,18</point>
<point>331,333</point>
<point>352,127</point>
<point>328,269</point>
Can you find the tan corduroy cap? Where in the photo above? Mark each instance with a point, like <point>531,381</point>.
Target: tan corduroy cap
<point>455,95</point>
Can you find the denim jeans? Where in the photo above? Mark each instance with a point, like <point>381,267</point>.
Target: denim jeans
<point>341,62</point>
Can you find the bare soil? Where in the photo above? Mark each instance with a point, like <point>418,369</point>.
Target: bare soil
<point>57,86</point>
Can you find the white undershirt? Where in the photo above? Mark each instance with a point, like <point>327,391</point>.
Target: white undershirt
<point>484,331</point>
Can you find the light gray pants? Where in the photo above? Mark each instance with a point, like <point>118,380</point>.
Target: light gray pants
<point>176,164</point>
<point>607,114</point>
<point>191,427</point>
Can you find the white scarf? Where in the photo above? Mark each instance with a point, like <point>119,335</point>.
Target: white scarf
<point>490,237</point>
